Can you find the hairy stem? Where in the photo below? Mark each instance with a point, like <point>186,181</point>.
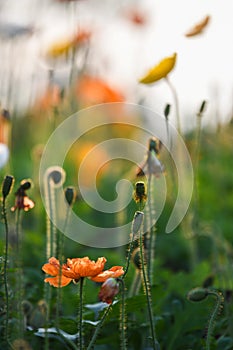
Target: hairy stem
<point>123,316</point>
<point>147,291</point>
<point>5,269</point>
<point>81,313</point>
<point>213,316</point>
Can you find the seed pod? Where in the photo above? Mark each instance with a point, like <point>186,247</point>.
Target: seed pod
<point>7,185</point>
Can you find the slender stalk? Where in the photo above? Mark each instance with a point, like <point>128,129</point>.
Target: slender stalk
<point>98,327</point>
<point>123,316</point>
<point>176,101</point>
<point>151,232</point>
<point>60,246</point>
<point>81,313</point>
<point>5,270</point>
<point>19,271</point>
<point>147,291</point>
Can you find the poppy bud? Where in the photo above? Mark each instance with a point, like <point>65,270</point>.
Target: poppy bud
<point>56,174</point>
<point>202,108</point>
<point>152,145</point>
<point>140,192</point>
<point>7,184</point>
<point>70,194</point>
<point>25,184</point>
<point>109,289</point>
<point>197,294</point>
<point>167,110</point>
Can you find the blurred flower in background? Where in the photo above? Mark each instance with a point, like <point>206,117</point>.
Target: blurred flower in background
<point>92,90</point>
<point>198,28</point>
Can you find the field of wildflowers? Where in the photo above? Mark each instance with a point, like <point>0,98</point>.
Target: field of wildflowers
<point>116,222</point>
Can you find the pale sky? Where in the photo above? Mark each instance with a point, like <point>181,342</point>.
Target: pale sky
<point>123,53</point>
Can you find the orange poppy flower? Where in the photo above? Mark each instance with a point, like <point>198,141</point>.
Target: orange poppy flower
<point>198,28</point>
<point>74,269</point>
<point>92,90</point>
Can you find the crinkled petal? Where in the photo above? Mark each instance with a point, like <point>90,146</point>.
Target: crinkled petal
<point>114,272</point>
<point>85,267</point>
<point>58,281</point>
<point>52,267</point>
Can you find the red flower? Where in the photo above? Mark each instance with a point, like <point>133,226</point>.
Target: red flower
<point>109,289</point>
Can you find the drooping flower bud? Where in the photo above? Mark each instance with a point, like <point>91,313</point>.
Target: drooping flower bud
<point>109,289</point>
<point>197,294</point>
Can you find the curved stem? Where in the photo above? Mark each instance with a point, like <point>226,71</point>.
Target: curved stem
<point>5,268</point>
<point>213,315</point>
<point>147,291</point>
<point>98,327</point>
<point>176,101</point>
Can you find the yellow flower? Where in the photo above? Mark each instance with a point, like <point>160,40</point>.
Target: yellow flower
<point>198,28</point>
<point>160,71</point>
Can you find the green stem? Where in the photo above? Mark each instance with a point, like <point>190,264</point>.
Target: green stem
<point>151,232</point>
<point>176,101</point>
<point>98,327</point>
<point>19,273</point>
<point>123,317</point>
<point>5,269</point>
<point>128,255</point>
<point>147,291</point>
<point>81,313</point>
<point>60,247</point>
